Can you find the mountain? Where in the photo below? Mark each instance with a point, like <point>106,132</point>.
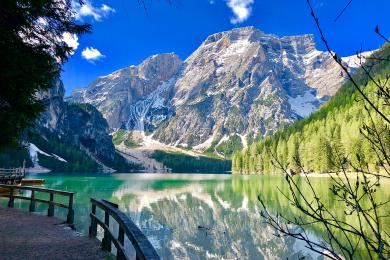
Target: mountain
<point>80,125</point>
<point>238,86</point>
<point>126,95</point>
<point>336,125</point>
<point>69,137</point>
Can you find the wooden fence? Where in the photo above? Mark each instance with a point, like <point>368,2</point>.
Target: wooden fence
<point>11,192</point>
<point>142,246</point>
<point>126,227</point>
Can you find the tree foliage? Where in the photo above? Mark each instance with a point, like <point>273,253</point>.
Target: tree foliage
<point>76,159</point>
<point>182,163</point>
<point>32,51</point>
<point>14,158</point>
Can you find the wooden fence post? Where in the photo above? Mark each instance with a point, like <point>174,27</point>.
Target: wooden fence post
<point>121,239</point>
<point>106,242</point>
<point>32,201</point>
<point>11,198</point>
<point>70,216</point>
<point>50,210</point>
<point>93,226</point>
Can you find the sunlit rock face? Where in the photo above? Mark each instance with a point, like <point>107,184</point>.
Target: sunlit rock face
<point>127,95</point>
<point>240,82</point>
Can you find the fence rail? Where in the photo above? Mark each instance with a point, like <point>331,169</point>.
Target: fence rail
<point>13,175</point>
<point>4,171</point>
<point>10,192</point>
<point>142,246</point>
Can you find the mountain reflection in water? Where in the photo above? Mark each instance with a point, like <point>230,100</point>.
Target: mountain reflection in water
<point>194,216</point>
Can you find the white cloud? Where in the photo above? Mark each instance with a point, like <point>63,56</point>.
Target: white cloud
<point>242,9</point>
<point>107,9</point>
<point>87,9</point>
<point>71,40</point>
<point>91,54</point>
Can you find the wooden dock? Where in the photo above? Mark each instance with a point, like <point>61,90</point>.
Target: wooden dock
<point>12,176</point>
<point>33,181</point>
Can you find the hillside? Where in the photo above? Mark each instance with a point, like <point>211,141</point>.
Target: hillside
<point>336,124</point>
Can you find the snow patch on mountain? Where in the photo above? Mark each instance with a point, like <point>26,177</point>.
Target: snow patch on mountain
<point>311,57</point>
<point>34,151</point>
<point>223,139</point>
<point>139,111</point>
<point>244,142</point>
<point>59,158</point>
<point>355,61</point>
<point>303,104</point>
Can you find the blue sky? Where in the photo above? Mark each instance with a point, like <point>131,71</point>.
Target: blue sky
<point>125,34</point>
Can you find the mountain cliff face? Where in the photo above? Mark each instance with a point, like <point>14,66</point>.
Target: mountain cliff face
<point>78,125</point>
<point>123,96</point>
<point>238,85</point>
<point>81,125</point>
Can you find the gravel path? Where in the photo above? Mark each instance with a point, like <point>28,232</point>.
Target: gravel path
<point>25,235</point>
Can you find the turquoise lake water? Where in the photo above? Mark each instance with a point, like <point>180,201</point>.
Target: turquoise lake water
<point>170,208</point>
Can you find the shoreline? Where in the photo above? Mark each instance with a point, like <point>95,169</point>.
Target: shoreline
<point>37,170</point>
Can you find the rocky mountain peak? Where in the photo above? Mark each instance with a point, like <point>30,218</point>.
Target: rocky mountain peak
<point>115,94</point>
<point>160,67</point>
<point>238,85</point>
<point>248,33</point>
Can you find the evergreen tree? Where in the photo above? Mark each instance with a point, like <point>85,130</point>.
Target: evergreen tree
<point>32,52</point>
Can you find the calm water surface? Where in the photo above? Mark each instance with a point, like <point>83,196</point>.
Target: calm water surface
<point>169,209</point>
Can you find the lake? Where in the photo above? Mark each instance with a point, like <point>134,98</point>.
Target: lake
<point>170,208</point>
